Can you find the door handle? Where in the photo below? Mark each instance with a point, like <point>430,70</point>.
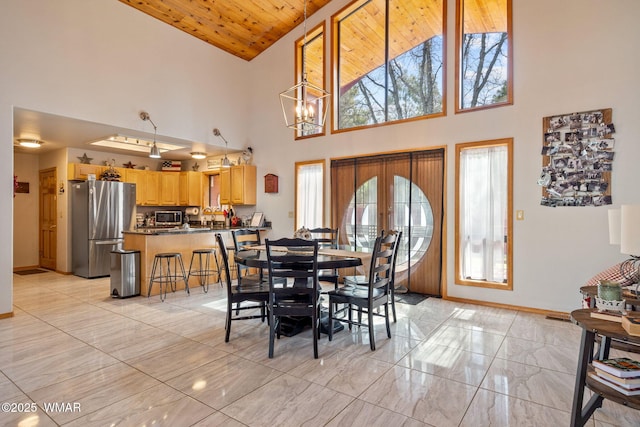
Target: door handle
<point>52,226</point>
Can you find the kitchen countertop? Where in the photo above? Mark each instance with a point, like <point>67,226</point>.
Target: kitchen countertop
<point>180,230</point>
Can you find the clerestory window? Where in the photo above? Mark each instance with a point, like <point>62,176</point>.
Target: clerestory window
<point>389,62</point>
<point>484,54</point>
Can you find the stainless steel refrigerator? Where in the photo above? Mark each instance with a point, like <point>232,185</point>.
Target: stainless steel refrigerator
<point>100,211</point>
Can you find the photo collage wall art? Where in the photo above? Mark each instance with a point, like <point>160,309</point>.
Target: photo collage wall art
<point>577,159</point>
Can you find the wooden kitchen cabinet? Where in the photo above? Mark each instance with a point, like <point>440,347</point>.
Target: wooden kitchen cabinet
<point>169,188</point>
<point>225,186</point>
<point>80,171</point>
<point>139,178</point>
<point>152,188</point>
<point>190,189</point>
<point>243,185</point>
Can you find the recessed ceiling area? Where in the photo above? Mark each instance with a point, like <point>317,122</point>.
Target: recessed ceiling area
<point>58,132</point>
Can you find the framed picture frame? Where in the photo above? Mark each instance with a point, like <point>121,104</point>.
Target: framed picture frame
<point>257,219</point>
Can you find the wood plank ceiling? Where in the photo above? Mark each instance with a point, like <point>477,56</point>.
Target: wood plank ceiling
<point>245,28</point>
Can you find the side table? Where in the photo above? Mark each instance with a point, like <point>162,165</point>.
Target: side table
<point>607,331</point>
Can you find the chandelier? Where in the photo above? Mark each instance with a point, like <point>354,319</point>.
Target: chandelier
<point>304,105</point>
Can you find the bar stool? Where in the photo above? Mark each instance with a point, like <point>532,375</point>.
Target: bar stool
<point>204,271</point>
<point>165,276</point>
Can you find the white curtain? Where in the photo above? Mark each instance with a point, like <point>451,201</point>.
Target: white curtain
<point>483,213</point>
<point>310,194</point>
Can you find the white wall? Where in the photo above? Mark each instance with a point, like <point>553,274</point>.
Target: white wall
<point>573,55</point>
<point>103,61</point>
<point>25,212</point>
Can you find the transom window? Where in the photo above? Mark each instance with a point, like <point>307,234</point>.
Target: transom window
<point>389,57</point>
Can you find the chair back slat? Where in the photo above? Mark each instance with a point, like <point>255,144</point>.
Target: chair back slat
<point>293,284</point>
<point>382,263</point>
<point>326,237</point>
<point>245,237</point>
<point>222,248</point>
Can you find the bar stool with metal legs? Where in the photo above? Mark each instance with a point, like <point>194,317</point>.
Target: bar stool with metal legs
<point>205,270</point>
<point>162,273</point>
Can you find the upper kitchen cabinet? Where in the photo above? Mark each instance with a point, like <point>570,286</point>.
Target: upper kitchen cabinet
<point>225,186</point>
<point>80,171</point>
<point>169,188</point>
<point>243,185</point>
<point>139,178</point>
<point>190,189</point>
<point>152,188</point>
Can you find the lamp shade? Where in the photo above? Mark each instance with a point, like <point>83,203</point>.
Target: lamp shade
<point>614,226</point>
<point>630,229</point>
<point>154,153</point>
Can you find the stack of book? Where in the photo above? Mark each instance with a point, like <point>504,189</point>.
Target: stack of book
<point>621,374</point>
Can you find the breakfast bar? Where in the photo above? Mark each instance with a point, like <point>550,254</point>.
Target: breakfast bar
<point>150,242</point>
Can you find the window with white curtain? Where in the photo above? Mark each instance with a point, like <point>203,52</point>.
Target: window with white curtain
<point>310,194</point>
<point>483,213</point>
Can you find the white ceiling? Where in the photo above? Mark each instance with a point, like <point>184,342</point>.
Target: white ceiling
<point>59,132</point>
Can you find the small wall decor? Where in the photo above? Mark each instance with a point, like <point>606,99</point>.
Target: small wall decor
<point>270,183</point>
<point>577,159</point>
<point>22,187</point>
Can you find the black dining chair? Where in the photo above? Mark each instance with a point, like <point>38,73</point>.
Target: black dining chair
<point>362,280</point>
<point>244,239</point>
<point>293,286</point>
<point>370,297</point>
<point>256,294</point>
<point>326,238</point>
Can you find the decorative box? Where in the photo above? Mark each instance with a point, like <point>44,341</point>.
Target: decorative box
<point>171,165</point>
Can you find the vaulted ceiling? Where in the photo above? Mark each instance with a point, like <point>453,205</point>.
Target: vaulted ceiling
<point>244,28</point>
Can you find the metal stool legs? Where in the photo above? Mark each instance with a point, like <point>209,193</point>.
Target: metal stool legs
<point>204,271</point>
<point>165,276</point>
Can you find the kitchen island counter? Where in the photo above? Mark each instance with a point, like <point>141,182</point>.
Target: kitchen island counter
<point>180,230</point>
<point>152,241</point>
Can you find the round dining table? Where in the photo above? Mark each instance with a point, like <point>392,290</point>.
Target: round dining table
<point>258,259</point>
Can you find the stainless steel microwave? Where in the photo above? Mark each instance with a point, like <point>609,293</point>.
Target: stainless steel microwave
<point>168,218</point>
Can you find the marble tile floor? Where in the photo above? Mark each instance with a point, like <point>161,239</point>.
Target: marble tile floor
<point>73,356</point>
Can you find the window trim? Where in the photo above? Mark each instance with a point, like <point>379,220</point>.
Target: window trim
<point>335,49</point>
<point>298,165</point>
<point>508,142</point>
<point>458,63</point>
<point>317,31</point>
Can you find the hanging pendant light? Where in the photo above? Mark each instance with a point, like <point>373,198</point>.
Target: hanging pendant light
<point>225,161</point>
<point>154,153</point>
<point>304,105</point>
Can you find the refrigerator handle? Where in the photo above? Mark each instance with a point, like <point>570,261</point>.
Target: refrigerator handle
<point>109,242</point>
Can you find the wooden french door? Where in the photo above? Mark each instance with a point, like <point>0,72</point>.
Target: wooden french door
<point>47,219</point>
<point>400,192</point>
